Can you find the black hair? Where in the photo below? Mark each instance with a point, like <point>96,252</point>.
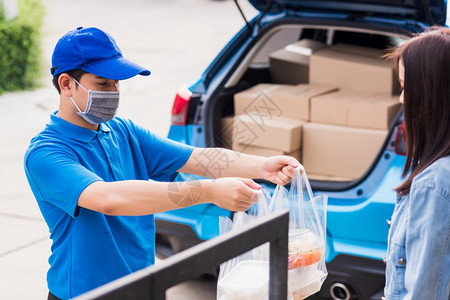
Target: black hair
<point>76,74</point>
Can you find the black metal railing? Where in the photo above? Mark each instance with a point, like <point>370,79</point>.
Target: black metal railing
<point>153,281</point>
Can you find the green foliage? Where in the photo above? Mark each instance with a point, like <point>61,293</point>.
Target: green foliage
<point>20,53</point>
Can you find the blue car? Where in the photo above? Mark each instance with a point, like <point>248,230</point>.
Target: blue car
<point>359,206</point>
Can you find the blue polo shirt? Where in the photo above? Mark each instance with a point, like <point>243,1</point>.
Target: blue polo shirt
<point>90,249</point>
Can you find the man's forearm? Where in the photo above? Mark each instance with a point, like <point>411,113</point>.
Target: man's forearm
<point>139,197</point>
<point>220,162</point>
<point>134,197</point>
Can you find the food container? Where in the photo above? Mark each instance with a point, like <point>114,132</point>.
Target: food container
<point>248,280</point>
<point>304,255</point>
<point>305,290</point>
<point>304,249</point>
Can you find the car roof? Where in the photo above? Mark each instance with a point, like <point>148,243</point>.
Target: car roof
<point>431,12</point>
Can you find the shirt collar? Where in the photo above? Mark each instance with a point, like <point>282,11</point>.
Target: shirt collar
<point>73,131</point>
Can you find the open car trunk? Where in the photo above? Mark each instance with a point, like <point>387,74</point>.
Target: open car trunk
<point>431,12</point>
<point>319,93</point>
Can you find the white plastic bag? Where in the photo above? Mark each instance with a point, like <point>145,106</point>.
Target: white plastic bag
<point>259,210</point>
<point>245,277</point>
<point>307,235</point>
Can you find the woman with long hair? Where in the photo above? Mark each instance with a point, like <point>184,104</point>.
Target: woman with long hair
<point>418,261</point>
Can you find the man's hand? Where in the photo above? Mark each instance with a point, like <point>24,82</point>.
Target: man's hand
<point>219,162</point>
<point>235,194</point>
<point>280,169</point>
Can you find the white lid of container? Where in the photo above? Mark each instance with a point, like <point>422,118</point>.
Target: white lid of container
<point>246,275</point>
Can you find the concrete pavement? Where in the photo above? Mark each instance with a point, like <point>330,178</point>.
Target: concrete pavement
<point>175,39</point>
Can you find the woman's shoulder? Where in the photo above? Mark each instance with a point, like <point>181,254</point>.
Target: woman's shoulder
<point>436,176</point>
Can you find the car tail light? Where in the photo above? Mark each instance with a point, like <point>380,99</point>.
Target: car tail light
<point>400,140</point>
<point>180,106</point>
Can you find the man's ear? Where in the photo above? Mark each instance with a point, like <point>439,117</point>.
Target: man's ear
<point>66,84</point>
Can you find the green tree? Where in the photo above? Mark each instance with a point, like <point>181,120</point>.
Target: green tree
<point>20,53</point>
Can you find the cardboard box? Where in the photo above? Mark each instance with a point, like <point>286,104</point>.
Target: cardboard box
<point>286,101</point>
<point>339,151</point>
<point>327,177</point>
<point>226,132</point>
<point>333,108</point>
<point>269,132</point>
<point>376,112</point>
<point>257,99</point>
<point>262,151</point>
<point>357,50</point>
<point>353,68</point>
<point>290,65</point>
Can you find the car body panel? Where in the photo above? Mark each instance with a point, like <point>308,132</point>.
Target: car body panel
<point>206,227</point>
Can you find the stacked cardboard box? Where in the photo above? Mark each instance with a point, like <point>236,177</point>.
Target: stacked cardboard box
<point>263,131</point>
<point>269,118</point>
<point>333,108</point>
<point>354,68</point>
<point>336,124</point>
<point>290,65</point>
<point>347,131</point>
<point>339,152</point>
<point>376,112</point>
<point>349,126</point>
<point>263,151</point>
<point>263,135</point>
<point>356,109</point>
<point>226,131</point>
<point>280,100</point>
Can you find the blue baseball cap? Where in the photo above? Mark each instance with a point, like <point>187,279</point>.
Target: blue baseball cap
<point>93,51</point>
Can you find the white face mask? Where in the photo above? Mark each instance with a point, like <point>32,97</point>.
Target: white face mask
<point>101,106</point>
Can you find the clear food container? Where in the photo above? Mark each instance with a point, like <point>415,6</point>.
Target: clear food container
<point>248,280</point>
<point>305,290</point>
<point>304,249</point>
<point>304,255</point>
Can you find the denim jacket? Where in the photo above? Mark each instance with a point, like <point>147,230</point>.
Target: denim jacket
<point>418,261</point>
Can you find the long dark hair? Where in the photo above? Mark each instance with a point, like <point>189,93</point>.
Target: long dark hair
<point>426,106</point>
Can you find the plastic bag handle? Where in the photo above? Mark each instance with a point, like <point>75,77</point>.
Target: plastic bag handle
<point>302,173</point>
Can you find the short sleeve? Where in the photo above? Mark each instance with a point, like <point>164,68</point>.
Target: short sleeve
<point>56,176</point>
<point>163,156</point>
